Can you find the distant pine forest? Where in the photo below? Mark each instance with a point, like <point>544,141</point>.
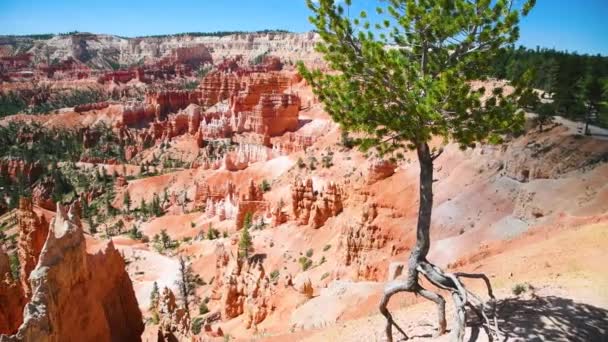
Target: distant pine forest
<point>578,84</point>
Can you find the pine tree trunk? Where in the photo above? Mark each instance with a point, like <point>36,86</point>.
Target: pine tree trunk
<point>419,265</point>
<point>423,241</point>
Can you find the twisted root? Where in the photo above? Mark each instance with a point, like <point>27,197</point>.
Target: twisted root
<point>461,296</point>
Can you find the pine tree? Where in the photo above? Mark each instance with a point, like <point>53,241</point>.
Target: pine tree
<point>143,208</point>
<point>127,201</point>
<point>165,239</point>
<point>245,243</point>
<point>407,78</point>
<point>154,297</point>
<point>187,282</point>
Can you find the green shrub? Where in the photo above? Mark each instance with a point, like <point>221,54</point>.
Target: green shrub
<point>265,186</point>
<point>274,275</point>
<point>203,309</point>
<point>521,288</point>
<point>197,323</point>
<point>305,263</point>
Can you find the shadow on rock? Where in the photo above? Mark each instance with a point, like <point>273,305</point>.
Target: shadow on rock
<point>548,319</point>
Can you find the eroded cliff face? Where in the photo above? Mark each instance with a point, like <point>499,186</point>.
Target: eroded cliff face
<point>33,232</point>
<point>12,298</point>
<point>97,49</point>
<point>76,296</point>
<point>245,289</point>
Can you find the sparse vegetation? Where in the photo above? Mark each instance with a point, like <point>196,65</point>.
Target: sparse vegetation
<point>212,233</point>
<point>188,282</point>
<point>265,186</point>
<point>197,324</point>
<point>305,263</point>
<point>521,288</point>
<point>15,265</point>
<point>245,242</point>
<point>309,253</point>
<point>327,159</point>
<point>202,308</point>
<point>301,163</point>
<point>274,275</point>
<point>163,242</point>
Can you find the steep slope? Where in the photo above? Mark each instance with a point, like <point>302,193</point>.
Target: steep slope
<point>78,296</point>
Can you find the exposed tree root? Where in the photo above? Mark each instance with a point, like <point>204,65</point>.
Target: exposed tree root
<point>460,295</point>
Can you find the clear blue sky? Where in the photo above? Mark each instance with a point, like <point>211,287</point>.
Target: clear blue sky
<point>579,25</point>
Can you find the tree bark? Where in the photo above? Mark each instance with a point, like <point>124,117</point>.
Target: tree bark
<point>425,208</point>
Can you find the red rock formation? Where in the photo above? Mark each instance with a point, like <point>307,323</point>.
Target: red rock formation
<point>204,193</point>
<point>310,208</point>
<point>360,239</point>
<point>42,194</point>
<point>91,106</point>
<point>244,288</point>
<point>174,323</point>
<point>303,285</point>
<point>171,101</point>
<point>191,55</point>
<point>255,85</point>
<point>12,299</point>
<point>76,296</point>
<point>278,216</point>
<point>271,63</point>
<point>219,86</point>
<point>291,142</point>
<point>135,114</point>
<point>68,69</point>
<point>379,170</point>
<point>33,231</point>
<point>302,197</point>
<point>15,168</point>
<point>120,182</point>
<point>16,62</point>
<point>275,114</point>
<point>252,202</point>
<point>118,76</point>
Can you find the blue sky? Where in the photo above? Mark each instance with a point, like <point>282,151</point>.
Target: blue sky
<point>580,25</point>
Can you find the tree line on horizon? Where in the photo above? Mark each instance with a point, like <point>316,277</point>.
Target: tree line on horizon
<point>47,36</point>
<point>577,83</point>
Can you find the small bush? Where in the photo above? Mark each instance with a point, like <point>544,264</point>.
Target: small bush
<point>265,186</point>
<point>326,248</point>
<point>325,275</point>
<point>274,275</point>
<point>305,263</point>
<point>521,288</point>
<point>301,163</point>
<point>309,253</point>
<point>312,163</point>
<point>155,317</point>
<point>203,309</point>
<point>213,233</point>
<point>327,160</point>
<point>197,323</point>
<point>347,141</point>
